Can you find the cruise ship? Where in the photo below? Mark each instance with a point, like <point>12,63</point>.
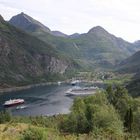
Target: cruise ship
<point>78,91</point>
<point>13,102</point>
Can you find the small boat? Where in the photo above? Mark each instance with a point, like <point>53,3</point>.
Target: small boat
<point>13,102</point>
<point>73,83</point>
<point>21,107</point>
<point>59,83</point>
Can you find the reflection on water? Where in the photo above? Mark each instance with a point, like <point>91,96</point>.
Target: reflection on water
<point>45,100</point>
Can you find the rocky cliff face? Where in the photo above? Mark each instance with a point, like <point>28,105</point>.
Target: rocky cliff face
<point>51,64</point>
<point>25,59</point>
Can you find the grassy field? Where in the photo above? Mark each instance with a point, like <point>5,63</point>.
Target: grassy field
<point>21,131</point>
<point>119,79</point>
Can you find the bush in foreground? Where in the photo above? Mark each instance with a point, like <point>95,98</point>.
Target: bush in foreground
<point>33,134</point>
<point>4,117</point>
<point>93,114</point>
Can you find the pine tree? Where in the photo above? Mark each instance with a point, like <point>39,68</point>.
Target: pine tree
<point>128,120</point>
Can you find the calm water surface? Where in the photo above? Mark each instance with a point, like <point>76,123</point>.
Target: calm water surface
<point>44,100</point>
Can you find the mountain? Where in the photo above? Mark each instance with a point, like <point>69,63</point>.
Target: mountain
<point>137,45</point>
<point>27,23</point>
<point>74,35</point>
<point>24,59</point>
<point>1,19</point>
<point>131,64</point>
<point>95,49</point>
<point>103,48</point>
<point>134,87</point>
<point>58,33</point>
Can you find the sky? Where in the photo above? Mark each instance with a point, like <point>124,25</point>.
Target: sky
<point>119,17</point>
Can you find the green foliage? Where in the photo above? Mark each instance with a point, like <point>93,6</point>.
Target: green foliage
<point>128,120</point>
<point>131,64</point>
<point>78,105</point>
<point>108,112</point>
<point>41,121</point>
<point>76,122</point>
<point>4,117</point>
<point>134,87</point>
<point>107,120</point>
<point>136,123</point>
<point>118,97</point>
<point>127,107</point>
<point>93,114</point>
<point>33,134</point>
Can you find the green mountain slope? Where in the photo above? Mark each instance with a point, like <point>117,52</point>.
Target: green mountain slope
<point>97,48</point>
<point>25,59</point>
<point>102,48</point>
<point>131,64</point>
<point>134,87</point>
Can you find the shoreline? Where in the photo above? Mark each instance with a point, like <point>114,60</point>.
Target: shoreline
<point>19,88</point>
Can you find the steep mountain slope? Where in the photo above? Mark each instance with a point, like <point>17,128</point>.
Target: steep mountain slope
<point>131,64</point>
<point>58,33</point>
<point>29,24</point>
<point>74,35</point>
<point>137,45</point>
<point>97,48</point>
<point>134,87</point>
<point>103,48</point>
<point>25,59</point>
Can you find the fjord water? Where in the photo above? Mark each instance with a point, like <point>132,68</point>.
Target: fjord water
<point>44,100</point>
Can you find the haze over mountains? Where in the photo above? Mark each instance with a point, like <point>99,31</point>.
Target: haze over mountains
<point>42,52</point>
<point>94,49</point>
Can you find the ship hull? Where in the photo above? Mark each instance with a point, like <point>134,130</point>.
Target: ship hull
<point>14,104</point>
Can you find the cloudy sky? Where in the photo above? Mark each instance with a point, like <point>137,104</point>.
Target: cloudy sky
<point>119,17</point>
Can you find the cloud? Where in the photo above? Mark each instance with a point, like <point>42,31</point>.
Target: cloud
<point>118,17</point>
<point>7,11</point>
